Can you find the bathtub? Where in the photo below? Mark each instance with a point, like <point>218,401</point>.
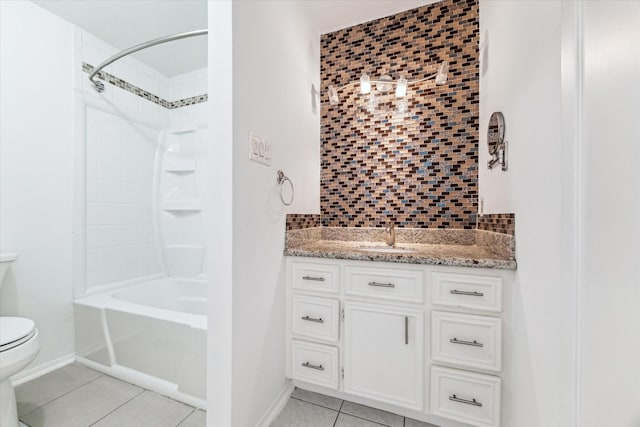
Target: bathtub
<point>152,334</point>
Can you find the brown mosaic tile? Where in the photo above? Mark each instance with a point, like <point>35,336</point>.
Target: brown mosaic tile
<point>504,223</point>
<point>417,167</point>
<point>300,221</point>
<point>124,85</point>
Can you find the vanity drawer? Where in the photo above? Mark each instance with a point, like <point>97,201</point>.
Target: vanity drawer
<point>387,283</point>
<point>315,277</point>
<point>316,317</point>
<point>467,291</point>
<point>467,340</point>
<point>315,363</point>
<point>466,396</point>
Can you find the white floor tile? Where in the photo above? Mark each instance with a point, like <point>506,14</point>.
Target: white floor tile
<point>147,410</point>
<point>297,413</point>
<point>317,399</point>
<point>197,419</point>
<point>372,414</point>
<point>83,406</point>
<point>35,393</point>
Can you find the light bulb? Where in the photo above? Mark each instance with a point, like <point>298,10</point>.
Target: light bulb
<point>401,88</point>
<point>365,84</point>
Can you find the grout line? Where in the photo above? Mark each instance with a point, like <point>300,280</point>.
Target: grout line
<point>336,420</point>
<point>366,419</point>
<point>64,394</point>
<point>346,413</point>
<point>316,404</point>
<point>185,418</point>
<point>338,416</point>
<point>106,415</point>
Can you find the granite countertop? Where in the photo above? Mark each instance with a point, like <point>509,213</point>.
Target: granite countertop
<point>463,248</point>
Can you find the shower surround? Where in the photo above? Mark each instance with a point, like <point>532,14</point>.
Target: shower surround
<point>140,307</point>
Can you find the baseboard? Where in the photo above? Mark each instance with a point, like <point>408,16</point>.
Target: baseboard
<point>45,368</point>
<point>276,406</point>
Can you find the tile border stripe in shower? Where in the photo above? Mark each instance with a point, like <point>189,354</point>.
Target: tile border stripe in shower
<point>125,85</point>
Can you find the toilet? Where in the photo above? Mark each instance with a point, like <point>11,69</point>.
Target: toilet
<point>19,345</point>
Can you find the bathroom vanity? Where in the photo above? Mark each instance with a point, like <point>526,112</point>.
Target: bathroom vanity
<point>413,331</point>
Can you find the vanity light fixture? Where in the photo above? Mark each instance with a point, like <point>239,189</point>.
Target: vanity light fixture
<point>385,83</point>
<point>365,84</point>
<point>401,88</point>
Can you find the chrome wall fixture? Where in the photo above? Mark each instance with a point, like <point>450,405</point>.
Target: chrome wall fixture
<point>99,86</point>
<point>281,178</point>
<point>385,84</point>
<point>495,141</point>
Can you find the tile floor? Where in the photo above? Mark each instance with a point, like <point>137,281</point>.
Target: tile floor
<point>307,409</point>
<point>76,396</point>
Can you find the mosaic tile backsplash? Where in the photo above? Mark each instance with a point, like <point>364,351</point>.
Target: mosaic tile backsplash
<point>414,163</point>
<point>300,221</point>
<point>504,223</point>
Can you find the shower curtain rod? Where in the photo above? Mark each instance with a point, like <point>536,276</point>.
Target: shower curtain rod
<point>99,86</point>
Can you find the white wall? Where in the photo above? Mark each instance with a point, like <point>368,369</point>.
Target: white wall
<point>610,280</point>
<point>275,65</point>
<point>520,62</point>
<point>219,215</point>
<point>36,171</point>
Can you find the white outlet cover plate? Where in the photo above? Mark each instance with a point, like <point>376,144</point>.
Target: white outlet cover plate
<point>259,149</point>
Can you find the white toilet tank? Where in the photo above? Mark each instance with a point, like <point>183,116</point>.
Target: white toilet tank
<point>6,259</point>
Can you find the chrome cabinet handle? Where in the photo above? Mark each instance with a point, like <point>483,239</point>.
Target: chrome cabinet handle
<point>471,293</point>
<point>315,279</point>
<point>473,343</point>
<point>312,366</point>
<point>406,329</point>
<point>382,285</point>
<point>312,319</point>
<point>471,402</point>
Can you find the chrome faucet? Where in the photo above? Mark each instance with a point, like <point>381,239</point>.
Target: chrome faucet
<point>391,234</point>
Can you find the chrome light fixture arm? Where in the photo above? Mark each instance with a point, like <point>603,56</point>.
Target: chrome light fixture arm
<point>99,86</point>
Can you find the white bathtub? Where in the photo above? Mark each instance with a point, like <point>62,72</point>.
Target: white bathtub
<point>153,334</point>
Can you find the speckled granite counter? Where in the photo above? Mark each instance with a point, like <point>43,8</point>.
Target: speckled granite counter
<point>463,248</point>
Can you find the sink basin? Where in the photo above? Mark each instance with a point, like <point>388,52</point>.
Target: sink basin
<point>387,250</point>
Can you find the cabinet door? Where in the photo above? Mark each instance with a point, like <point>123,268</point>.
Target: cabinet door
<point>383,353</point>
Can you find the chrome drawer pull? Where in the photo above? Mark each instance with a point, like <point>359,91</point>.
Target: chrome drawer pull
<point>406,330</point>
<point>472,343</point>
<point>315,279</point>
<point>471,293</point>
<point>316,367</point>
<point>312,319</point>
<point>382,285</point>
<point>471,402</point>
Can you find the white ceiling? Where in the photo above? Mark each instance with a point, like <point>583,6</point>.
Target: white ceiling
<point>332,15</point>
<point>124,23</point>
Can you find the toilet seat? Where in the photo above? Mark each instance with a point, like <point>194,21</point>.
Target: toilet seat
<point>15,331</point>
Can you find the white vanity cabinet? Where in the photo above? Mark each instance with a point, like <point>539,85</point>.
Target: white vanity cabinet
<point>383,353</point>
<point>407,338</point>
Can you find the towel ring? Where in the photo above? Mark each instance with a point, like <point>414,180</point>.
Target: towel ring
<point>281,179</point>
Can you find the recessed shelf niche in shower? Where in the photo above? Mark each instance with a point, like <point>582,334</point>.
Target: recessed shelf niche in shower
<point>182,180</point>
